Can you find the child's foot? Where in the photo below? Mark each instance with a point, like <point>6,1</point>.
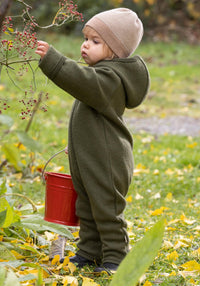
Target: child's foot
<point>80,261</point>
<point>108,267</point>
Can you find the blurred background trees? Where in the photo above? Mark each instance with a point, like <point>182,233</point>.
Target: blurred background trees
<point>163,19</point>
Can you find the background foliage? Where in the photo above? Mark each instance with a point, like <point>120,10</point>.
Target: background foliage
<point>162,18</point>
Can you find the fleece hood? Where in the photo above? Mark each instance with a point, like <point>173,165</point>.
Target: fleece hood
<point>134,76</point>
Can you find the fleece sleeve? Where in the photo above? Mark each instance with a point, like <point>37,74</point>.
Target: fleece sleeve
<point>93,86</point>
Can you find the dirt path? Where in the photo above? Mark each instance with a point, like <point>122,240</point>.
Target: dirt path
<point>176,125</point>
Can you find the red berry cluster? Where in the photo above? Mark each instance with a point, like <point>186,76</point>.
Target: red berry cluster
<point>67,12</point>
<point>29,104</point>
<point>3,105</point>
<point>18,43</point>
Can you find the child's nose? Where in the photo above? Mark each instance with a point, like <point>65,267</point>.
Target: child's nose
<point>86,44</point>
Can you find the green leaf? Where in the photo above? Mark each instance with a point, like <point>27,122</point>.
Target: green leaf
<point>140,258</point>
<point>11,279</point>
<point>35,266</point>
<point>2,275</point>
<point>37,223</point>
<point>6,120</point>
<point>30,248</point>
<point>4,205</point>
<point>29,142</point>
<point>2,217</point>
<point>6,254</point>
<point>14,263</point>
<point>3,187</point>
<point>27,277</point>
<point>12,155</point>
<point>40,278</point>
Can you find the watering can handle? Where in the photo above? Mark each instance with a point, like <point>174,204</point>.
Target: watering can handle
<point>43,171</point>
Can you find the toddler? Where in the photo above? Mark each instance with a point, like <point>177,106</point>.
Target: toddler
<point>99,143</point>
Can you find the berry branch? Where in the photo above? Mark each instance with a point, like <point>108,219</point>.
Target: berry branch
<point>17,47</point>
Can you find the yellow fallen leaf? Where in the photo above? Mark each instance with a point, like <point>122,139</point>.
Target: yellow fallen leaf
<point>44,259</point>
<point>169,197</point>
<point>191,265</point>
<point>129,199</point>
<point>186,220</point>
<point>69,280</point>
<point>66,261</point>
<point>172,256</point>
<point>159,211</point>
<point>140,171</point>
<point>167,244</point>
<point>75,234</point>
<point>147,283</point>
<point>50,236</point>
<point>56,259</point>
<point>58,168</point>
<point>173,221</point>
<point>20,146</point>
<point>88,282</point>
<point>192,145</point>
<point>173,273</point>
<point>179,244</point>
<point>17,255</point>
<point>196,252</point>
<point>71,267</point>
<point>171,228</point>
<point>24,162</point>
<point>192,281</point>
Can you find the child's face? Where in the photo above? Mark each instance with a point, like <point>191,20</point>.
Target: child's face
<point>94,49</point>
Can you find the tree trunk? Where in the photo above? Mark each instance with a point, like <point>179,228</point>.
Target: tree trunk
<point>4,6</point>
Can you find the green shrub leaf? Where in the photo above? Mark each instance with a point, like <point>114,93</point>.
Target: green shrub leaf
<point>29,142</point>
<point>11,279</point>
<point>4,206</point>
<point>12,155</point>
<point>6,254</point>
<point>140,258</point>
<point>2,275</point>
<point>37,223</point>
<point>2,217</point>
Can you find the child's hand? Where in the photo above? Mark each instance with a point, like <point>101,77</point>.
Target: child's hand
<point>42,48</point>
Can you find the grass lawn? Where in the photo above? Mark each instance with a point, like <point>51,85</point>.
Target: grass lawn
<point>166,181</point>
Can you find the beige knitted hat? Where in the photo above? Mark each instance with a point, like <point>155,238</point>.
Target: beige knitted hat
<point>120,28</point>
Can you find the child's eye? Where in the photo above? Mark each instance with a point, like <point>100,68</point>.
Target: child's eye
<point>95,42</point>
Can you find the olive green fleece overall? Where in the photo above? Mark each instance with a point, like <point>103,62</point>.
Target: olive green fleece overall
<point>100,146</point>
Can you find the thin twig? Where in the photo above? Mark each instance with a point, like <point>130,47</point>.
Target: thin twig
<point>36,107</point>
<point>22,196</point>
